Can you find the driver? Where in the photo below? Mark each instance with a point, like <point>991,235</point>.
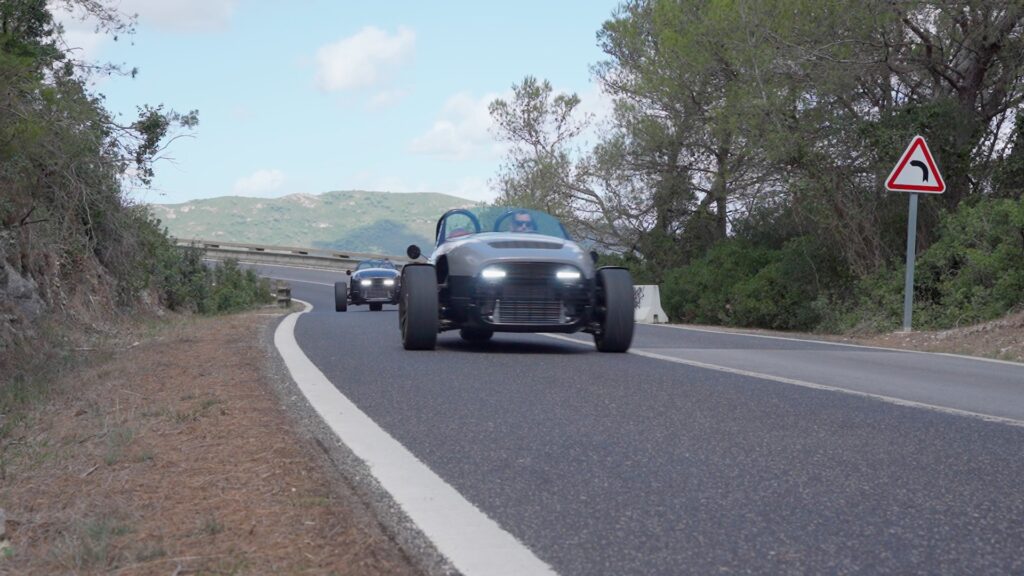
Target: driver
<point>523,222</point>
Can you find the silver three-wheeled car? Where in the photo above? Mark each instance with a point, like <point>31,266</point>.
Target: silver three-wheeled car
<point>511,270</point>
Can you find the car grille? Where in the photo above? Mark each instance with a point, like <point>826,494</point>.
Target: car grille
<point>545,312</point>
<point>529,295</point>
<point>376,291</point>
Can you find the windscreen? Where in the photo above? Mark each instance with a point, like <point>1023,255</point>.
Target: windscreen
<point>466,222</point>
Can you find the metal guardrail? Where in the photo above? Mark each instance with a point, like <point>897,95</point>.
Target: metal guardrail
<point>286,255</point>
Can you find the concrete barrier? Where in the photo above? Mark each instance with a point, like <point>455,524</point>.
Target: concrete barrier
<point>283,294</point>
<point>647,305</point>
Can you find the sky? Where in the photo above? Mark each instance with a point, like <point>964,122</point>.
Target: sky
<point>310,96</point>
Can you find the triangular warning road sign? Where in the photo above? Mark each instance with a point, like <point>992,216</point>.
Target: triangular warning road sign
<point>916,171</point>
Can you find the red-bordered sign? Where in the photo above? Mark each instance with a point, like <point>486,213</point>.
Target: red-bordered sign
<point>916,171</point>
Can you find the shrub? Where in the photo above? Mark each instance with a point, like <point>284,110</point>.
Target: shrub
<point>738,283</point>
<point>235,289</point>
<point>975,271</point>
<point>784,294</point>
<point>874,304</point>
<point>702,292</point>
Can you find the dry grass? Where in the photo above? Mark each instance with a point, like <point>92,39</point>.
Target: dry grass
<point>1001,339</point>
<point>175,456</point>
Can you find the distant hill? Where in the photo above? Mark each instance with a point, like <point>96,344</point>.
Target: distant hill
<point>358,221</point>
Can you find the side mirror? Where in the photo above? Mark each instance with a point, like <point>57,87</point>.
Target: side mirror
<point>348,272</point>
<point>594,256</point>
<point>413,252</point>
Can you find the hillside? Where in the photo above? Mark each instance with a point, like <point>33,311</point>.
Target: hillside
<point>357,221</point>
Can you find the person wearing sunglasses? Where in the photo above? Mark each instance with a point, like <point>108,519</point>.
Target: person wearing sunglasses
<point>523,222</point>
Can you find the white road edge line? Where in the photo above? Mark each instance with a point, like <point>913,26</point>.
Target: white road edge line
<point>474,543</point>
<point>770,337</point>
<point>812,385</point>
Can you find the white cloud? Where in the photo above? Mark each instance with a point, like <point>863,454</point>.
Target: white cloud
<point>261,183</point>
<point>462,130</point>
<point>387,98</point>
<point>182,15</point>
<point>474,189</point>
<point>363,60</point>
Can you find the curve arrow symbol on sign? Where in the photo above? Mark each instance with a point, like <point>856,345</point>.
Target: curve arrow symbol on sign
<point>924,169</point>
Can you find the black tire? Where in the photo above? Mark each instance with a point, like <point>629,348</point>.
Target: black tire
<point>476,334</point>
<point>340,296</point>
<point>376,307</point>
<point>417,308</point>
<point>615,287</point>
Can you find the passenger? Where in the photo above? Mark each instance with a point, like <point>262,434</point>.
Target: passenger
<point>456,233</point>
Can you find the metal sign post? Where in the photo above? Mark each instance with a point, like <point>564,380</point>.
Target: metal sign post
<point>915,172</point>
<point>908,285</point>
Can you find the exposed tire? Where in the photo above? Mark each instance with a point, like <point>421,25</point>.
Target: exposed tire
<point>476,334</point>
<point>417,308</point>
<point>615,287</point>
<point>376,307</point>
<point>340,296</point>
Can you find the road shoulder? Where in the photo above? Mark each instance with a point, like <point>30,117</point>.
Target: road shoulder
<point>175,455</point>
<point>998,339</point>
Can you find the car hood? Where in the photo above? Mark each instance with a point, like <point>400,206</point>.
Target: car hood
<point>467,256</point>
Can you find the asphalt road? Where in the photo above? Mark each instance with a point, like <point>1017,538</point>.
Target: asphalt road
<point>629,464</point>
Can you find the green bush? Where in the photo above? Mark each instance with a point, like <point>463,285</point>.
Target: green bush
<point>785,293</point>
<point>235,289</point>
<point>874,304</point>
<point>182,280</point>
<point>703,291</point>
<point>738,283</point>
<point>975,271</point>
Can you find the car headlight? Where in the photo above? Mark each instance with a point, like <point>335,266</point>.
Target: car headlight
<point>492,273</point>
<point>365,282</point>
<point>389,282</point>
<point>568,275</point>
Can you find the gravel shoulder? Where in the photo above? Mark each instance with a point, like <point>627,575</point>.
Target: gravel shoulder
<point>182,453</point>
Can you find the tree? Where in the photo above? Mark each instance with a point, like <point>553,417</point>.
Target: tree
<point>784,114</point>
<point>63,156</point>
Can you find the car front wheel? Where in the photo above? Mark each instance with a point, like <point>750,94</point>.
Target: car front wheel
<point>340,296</point>
<point>417,308</point>
<point>616,293</point>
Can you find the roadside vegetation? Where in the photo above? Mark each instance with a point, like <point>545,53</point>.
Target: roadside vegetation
<point>77,255</point>
<point>174,455</point>
<point>743,165</point>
